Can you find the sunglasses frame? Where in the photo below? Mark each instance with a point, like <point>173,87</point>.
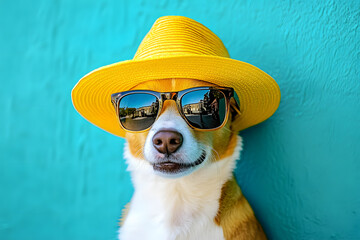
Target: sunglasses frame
<point>228,92</point>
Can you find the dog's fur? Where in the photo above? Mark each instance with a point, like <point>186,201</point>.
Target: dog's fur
<point>205,203</point>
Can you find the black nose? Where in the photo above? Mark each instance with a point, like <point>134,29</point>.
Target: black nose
<point>167,141</point>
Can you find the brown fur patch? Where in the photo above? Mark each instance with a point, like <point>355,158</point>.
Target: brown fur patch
<point>124,214</point>
<point>136,143</point>
<point>235,215</point>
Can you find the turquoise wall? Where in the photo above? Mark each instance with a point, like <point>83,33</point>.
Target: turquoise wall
<point>62,178</point>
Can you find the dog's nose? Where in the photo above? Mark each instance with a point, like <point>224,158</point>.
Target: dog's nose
<point>167,141</point>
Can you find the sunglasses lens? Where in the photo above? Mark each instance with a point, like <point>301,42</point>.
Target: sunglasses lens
<point>204,109</point>
<point>138,111</point>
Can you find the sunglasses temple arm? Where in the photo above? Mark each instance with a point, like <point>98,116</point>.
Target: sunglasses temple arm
<point>235,106</point>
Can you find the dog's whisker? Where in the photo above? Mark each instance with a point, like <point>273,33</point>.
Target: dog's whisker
<point>139,148</point>
<point>138,152</point>
<point>218,156</point>
<point>227,129</point>
<point>138,145</point>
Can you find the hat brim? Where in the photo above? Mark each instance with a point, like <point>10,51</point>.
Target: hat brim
<point>259,94</point>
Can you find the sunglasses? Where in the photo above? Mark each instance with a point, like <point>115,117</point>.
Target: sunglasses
<point>203,108</point>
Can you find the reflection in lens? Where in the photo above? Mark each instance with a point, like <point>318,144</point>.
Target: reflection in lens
<point>138,111</point>
<point>205,109</point>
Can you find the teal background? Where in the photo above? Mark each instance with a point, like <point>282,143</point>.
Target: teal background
<point>62,178</point>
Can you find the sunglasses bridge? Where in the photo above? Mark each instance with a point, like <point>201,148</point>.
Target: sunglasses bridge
<point>169,96</point>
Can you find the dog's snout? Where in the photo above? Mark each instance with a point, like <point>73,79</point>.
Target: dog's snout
<point>167,141</point>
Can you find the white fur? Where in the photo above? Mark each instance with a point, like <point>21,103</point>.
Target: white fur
<point>176,206</point>
<point>190,149</point>
<point>176,209</point>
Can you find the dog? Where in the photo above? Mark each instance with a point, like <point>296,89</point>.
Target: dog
<point>181,152</point>
<point>202,202</point>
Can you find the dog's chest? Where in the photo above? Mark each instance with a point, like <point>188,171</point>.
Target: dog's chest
<point>176,209</point>
<point>156,227</point>
<point>171,219</point>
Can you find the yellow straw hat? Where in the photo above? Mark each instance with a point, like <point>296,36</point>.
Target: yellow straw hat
<point>177,47</point>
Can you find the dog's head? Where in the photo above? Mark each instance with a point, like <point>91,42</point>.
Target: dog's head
<point>171,147</point>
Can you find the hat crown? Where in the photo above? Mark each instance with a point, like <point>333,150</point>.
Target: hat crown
<point>178,36</point>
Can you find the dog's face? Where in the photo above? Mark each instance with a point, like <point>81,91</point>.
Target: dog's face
<point>171,146</point>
